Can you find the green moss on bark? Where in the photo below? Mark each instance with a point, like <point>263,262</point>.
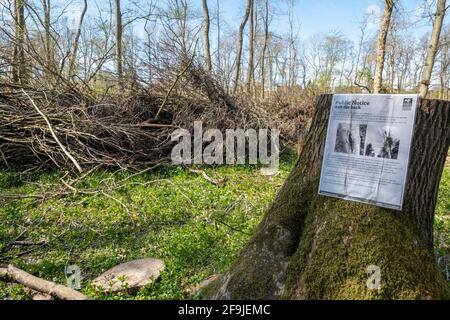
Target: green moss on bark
<point>338,240</point>
<point>343,238</point>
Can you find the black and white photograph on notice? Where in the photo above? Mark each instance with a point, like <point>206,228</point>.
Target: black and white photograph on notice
<point>350,138</point>
<point>382,142</point>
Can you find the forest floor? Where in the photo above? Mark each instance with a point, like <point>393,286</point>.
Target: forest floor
<point>171,213</point>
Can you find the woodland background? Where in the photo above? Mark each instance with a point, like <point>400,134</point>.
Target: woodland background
<point>90,91</point>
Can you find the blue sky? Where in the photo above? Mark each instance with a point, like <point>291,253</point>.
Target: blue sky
<point>322,16</point>
<point>313,16</point>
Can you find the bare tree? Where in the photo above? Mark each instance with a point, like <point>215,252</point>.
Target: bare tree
<point>206,35</point>
<point>178,33</point>
<point>420,51</point>
<point>333,49</point>
<point>219,64</point>
<point>19,66</point>
<point>46,4</point>
<point>392,53</point>
<point>73,57</point>
<point>264,49</point>
<point>237,70</point>
<point>362,28</point>
<point>291,60</point>
<point>381,46</point>
<point>251,51</point>
<point>119,30</point>
<point>433,47</point>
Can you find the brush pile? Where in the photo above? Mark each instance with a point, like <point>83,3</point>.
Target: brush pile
<point>92,133</point>
<point>68,129</point>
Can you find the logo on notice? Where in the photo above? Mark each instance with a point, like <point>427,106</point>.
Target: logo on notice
<point>407,104</point>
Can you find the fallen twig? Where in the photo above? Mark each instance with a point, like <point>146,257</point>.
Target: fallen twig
<point>28,243</point>
<point>208,178</point>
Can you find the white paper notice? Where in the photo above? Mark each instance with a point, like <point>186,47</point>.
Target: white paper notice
<point>367,148</point>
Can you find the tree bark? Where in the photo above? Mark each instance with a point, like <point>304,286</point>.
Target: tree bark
<point>381,46</point>
<point>206,36</point>
<point>237,70</point>
<point>219,57</point>
<point>48,37</point>
<point>270,62</point>
<point>251,49</point>
<point>433,47</point>
<point>315,247</point>
<point>19,66</point>
<point>119,57</point>
<point>264,49</point>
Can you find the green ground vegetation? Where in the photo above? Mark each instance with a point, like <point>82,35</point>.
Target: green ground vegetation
<point>196,227</point>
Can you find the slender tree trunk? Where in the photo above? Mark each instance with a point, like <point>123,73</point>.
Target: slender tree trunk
<point>304,75</point>
<point>433,47</point>
<point>219,57</point>
<point>183,25</point>
<point>206,36</point>
<point>343,68</point>
<point>255,43</point>
<point>251,51</point>
<point>270,61</point>
<point>358,56</point>
<point>315,247</point>
<point>119,55</point>
<point>149,57</point>
<point>48,37</point>
<point>264,49</point>
<point>76,41</point>
<point>19,63</point>
<point>381,46</point>
<point>15,59</point>
<point>444,69</point>
<point>237,71</point>
<point>391,66</point>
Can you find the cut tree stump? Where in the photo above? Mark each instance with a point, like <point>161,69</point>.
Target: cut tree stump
<point>316,247</point>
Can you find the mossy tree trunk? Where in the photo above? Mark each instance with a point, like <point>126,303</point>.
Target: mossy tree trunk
<point>315,247</point>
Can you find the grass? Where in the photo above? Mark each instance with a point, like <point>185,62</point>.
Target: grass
<point>197,228</point>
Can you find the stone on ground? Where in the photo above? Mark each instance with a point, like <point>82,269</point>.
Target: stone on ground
<point>130,275</point>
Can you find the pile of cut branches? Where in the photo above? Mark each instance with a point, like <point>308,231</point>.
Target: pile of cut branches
<point>39,127</point>
<point>68,129</point>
